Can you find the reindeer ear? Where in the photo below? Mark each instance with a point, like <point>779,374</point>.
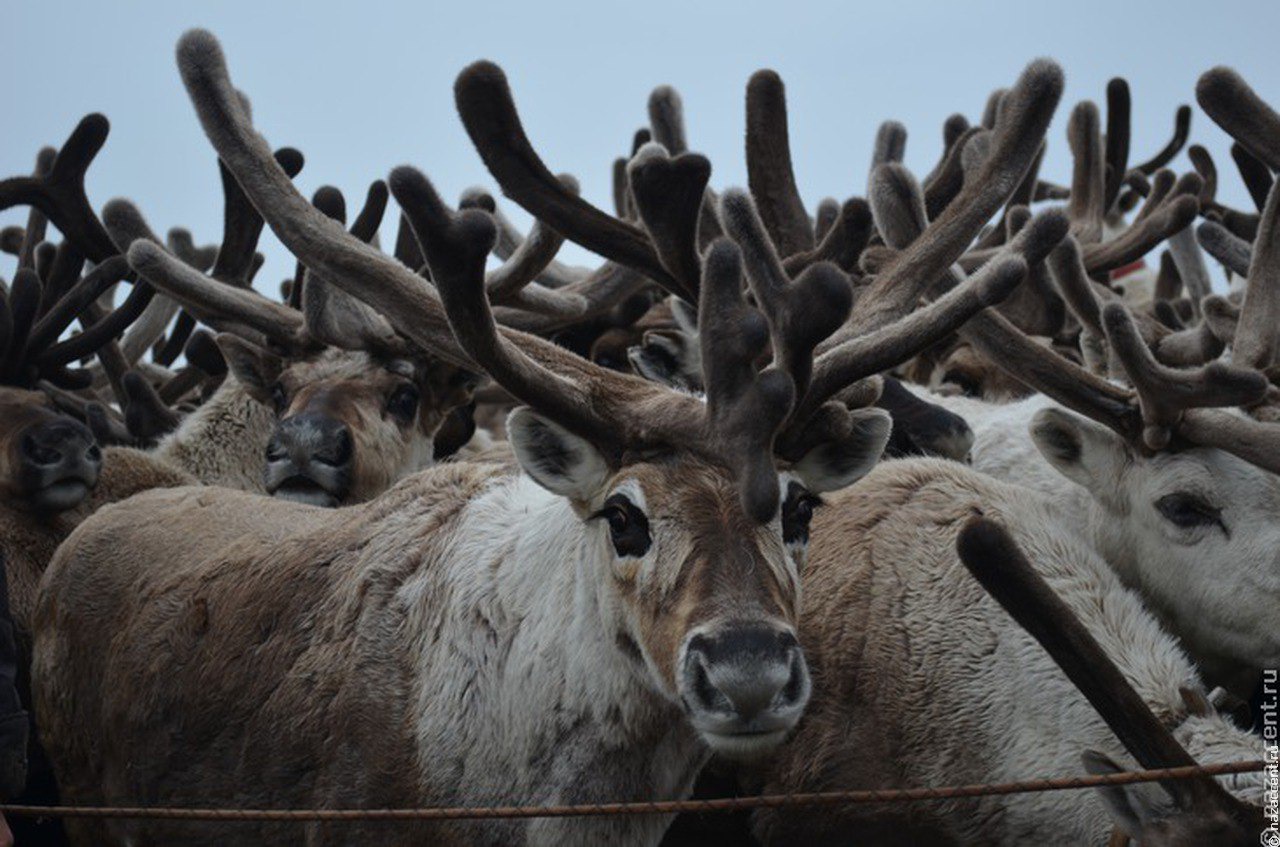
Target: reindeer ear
<point>338,319</point>
<point>835,464</point>
<point>255,368</point>
<point>555,458</point>
<point>1084,452</point>
<point>1130,806</point>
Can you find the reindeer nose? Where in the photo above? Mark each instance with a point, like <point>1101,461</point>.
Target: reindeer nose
<point>746,672</point>
<point>58,464</point>
<point>306,438</point>
<point>310,458</point>
<point>60,443</point>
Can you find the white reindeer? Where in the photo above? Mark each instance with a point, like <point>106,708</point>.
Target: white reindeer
<point>921,680</point>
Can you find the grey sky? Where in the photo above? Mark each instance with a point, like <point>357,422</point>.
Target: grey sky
<point>362,87</point>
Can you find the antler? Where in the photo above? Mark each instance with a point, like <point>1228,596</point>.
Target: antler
<point>1181,131</point>
<point>1233,252</point>
<point>521,301</point>
<point>1256,339</point>
<point>1024,118</point>
<point>617,412</point>
<point>769,172</point>
<point>60,194</point>
<point>1087,205</point>
<point>1234,106</point>
<point>214,302</point>
<point>1119,106</point>
<point>1165,393</point>
<point>800,312</point>
<point>489,114</point>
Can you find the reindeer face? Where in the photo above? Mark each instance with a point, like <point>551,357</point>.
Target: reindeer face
<point>1194,529</point>
<point>701,599</point>
<point>48,462</point>
<point>967,373</point>
<point>1203,515</point>
<point>351,426</point>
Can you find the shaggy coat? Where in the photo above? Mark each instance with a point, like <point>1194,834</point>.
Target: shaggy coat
<point>1215,585</point>
<point>453,642</point>
<point>921,679</point>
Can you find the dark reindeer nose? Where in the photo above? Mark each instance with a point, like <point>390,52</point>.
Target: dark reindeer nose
<point>60,442</point>
<point>59,463</point>
<point>745,672</point>
<point>306,438</point>
<point>309,459</point>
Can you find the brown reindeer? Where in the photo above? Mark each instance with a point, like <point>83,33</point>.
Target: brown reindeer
<point>585,626</point>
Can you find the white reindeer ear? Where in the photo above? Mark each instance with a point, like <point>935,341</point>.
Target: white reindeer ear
<point>555,458</point>
<point>1130,806</point>
<point>835,464</point>
<point>1084,452</point>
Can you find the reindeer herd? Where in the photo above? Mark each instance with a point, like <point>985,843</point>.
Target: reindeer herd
<point>921,489</point>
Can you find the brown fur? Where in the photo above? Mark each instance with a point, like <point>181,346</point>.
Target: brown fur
<point>272,654</point>
<point>354,389</point>
<point>273,631</point>
<point>29,541</point>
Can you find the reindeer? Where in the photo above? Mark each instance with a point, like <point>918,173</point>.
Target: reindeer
<point>1162,482</point>
<point>617,607</point>
<point>919,679</point>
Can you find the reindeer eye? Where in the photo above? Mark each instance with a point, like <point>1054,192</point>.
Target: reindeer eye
<point>797,511</point>
<point>628,527</point>
<point>278,397</point>
<point>403,403</point>
<point>1189,511</point>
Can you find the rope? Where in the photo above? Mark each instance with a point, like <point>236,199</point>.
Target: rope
<point>662,807</point>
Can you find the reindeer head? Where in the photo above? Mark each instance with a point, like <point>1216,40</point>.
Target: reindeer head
<point>351,423</point>
<point>357,409</point>
<point>1176,481</point>
<point>1175,477</point>
<point>49,461</point>
<point>695,531</point>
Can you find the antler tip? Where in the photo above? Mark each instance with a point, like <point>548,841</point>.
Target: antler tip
<point>197,49</point>
<point>1218,82</point>
<point>477,76</point>
<point>1045,75</point>
<point>765,77</point>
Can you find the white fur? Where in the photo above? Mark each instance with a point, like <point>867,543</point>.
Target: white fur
<point>223,441</point>
<point>547,680</point>
<point>1219,594</point>
<point>949,688</point>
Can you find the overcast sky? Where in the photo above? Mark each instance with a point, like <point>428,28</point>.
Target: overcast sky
<point>361,87</point>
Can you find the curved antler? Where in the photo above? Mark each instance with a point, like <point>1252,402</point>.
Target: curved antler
<point>1246,117</point>
<point>769,173</point>
<point>1024,118</point>
<point>488,112</point>
<point>60,194</point>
